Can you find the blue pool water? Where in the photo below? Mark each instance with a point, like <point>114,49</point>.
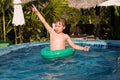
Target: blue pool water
<point>23,62</point>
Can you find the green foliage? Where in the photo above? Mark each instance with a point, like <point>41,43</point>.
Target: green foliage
<point>105,15</point>
<point>52,10</point>
<point>117,10</point>
<point>4,7</point>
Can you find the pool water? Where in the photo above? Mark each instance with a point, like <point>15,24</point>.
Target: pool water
<point>27,64</point>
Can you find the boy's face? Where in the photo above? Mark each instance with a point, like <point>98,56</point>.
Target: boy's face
<point>58,27</point>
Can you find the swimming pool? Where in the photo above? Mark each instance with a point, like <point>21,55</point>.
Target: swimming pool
<point>23,62</point>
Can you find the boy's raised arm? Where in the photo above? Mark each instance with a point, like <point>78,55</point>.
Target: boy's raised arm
<point>47,26</point>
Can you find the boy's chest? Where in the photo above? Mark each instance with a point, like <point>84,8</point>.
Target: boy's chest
<point>58,38</point>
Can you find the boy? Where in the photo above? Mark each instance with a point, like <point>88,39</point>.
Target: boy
<point>57,38</point>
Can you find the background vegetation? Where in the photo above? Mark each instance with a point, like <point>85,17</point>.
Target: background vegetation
<point>33,30</point>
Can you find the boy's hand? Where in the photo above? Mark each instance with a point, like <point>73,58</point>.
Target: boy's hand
<point>34,9</point>
<point>86,48</point>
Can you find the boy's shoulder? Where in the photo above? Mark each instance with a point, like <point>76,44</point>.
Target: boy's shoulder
<point>66,35</point>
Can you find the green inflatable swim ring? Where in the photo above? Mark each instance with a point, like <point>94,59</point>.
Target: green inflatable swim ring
<point>47,53</point>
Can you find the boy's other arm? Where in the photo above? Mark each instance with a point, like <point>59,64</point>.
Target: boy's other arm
<point>77,47</point>
<point>42,19</point>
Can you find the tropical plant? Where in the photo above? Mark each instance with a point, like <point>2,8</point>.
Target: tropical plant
<point>51,10</point>
<point>54,9</point>
<point>4,6</point>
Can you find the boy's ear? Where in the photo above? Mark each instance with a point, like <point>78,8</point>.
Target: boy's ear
<point>64,27</point>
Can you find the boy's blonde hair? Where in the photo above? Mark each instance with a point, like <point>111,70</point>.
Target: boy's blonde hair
<point>62,21</point>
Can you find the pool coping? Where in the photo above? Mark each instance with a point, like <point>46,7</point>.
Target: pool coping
<point>100,43</point>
